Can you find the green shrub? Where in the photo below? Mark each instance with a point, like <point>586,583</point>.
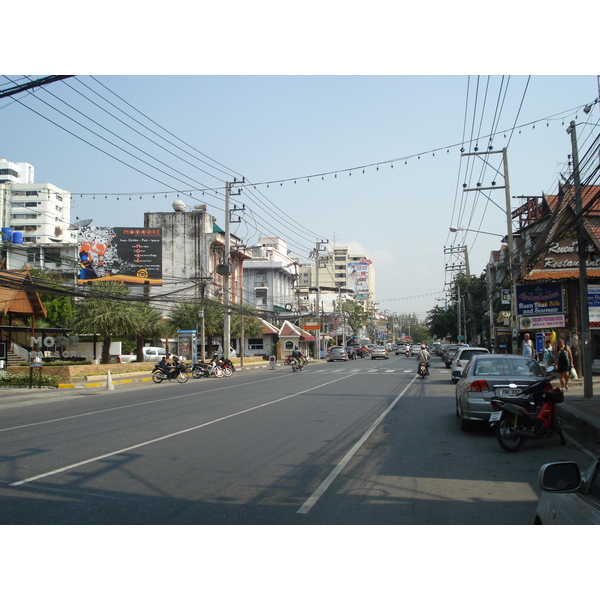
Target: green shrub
<point>23,379</point>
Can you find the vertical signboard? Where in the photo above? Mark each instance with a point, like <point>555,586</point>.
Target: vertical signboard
<point>358,278</point>
<point>594,305</point>
<point>129,254</point>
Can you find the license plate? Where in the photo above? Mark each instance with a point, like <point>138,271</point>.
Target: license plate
<point>510,392</point>
<point>495,416</point>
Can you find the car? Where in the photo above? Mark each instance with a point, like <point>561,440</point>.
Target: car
<point>337,353</point>
<point>450,352</point>
<point>351,352</point>
<point>568,497</point>
<point>399,349</point>
<point>487,376</point>
<point>379,352</point>
<point>461,358</point>
<point>370,347</point>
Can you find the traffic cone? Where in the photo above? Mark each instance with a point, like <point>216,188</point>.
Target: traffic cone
<point>109,381</point>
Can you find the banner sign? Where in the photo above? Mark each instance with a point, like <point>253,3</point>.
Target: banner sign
<point>358,278</point>
<point>547,322</point>
<point>539,299</point>
<point>129,254</point>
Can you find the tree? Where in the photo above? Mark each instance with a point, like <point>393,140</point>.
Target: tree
<point>105,312</point>
<point>148,325</point>
<point>356,317</point>
<point>60,308</point>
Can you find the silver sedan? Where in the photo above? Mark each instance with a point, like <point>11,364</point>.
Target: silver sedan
<point>487,376</point>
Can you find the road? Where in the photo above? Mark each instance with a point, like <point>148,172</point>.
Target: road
<point>362,442</point>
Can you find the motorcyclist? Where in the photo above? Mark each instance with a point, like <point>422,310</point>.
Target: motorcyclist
<point>297,356</point>
<point>424,356</point>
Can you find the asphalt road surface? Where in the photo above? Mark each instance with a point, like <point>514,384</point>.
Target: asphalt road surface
<point>360,442</point>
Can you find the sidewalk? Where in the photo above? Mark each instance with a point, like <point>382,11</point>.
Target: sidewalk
<point>581,412</point>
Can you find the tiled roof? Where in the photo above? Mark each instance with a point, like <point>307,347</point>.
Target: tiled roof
<point>14,297</point>
<point>559,275</point>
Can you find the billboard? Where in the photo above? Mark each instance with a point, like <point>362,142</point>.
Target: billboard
<point>128,254</point>
<point>358,278</point>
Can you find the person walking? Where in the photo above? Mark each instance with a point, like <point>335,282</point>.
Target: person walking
<point>564,362</point>
<point>527,346</point>
<point>548,357</point>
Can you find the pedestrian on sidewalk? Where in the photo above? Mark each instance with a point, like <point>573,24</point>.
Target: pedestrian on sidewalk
<point>548,357</point>
<point>564,362</point>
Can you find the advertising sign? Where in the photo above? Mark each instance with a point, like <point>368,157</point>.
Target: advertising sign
<point>129,254</point>
<point>358,278</point>
<point>311,324</point>
<point>547,322</point>
<point>594,305</point>
<point>539,299</point>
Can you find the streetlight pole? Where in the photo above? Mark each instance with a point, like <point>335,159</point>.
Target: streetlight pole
<point>227,280</point>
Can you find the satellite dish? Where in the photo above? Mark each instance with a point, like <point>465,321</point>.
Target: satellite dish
<point>80,224</point>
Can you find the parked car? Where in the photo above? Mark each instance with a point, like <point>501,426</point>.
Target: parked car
<point>379,352</point>
<point>569,498</point>
<point>461,358</point>
<point>450,352</point>
<point>153,353</point>
<point>337,353</point>
<point>351,352</point>
<point>489,375</point>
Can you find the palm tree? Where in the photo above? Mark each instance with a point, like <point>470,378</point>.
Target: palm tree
<point>148,325</point>
<point>105,313</point>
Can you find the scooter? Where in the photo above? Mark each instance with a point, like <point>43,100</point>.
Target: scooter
<point>528,415</point>
<point>423,369</point>
<point>407,352</point>
<point>175,373</point>
<point>227,364</point>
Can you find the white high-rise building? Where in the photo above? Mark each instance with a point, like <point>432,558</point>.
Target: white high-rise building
<point>38,213</point>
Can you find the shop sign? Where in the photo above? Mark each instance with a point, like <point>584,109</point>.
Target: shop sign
<point>564,254</point>
<point>594,305</point>
<point>311,324</point>
<point>542,322</point>
<point>539,299</point>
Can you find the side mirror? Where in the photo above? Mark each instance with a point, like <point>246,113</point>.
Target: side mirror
<point>560,477</point>
<point>550,369</point>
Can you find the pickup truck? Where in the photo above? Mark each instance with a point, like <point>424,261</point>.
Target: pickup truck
<point>127,358</point>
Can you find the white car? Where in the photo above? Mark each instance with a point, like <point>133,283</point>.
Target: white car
<point>461,358</point>
<point>569,498</point>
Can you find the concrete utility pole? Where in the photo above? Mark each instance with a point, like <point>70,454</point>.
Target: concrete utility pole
<point>584,315</point>
<point>227,275</point>
<point>510,239</point>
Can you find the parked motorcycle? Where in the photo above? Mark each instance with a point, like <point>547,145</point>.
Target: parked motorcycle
<point>213,368</point>
<point>227,366</point>
<point>423,369</point>
<point>175,373</point>
<point>528,415</point>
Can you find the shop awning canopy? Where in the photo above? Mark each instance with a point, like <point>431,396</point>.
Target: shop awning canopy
<point>308,338</point>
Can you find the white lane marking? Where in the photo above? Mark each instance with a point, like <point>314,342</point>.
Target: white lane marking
<point>170,435</point>
<point>316,495</point>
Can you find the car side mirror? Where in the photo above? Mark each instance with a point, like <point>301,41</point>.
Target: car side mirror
<point>560,477</point>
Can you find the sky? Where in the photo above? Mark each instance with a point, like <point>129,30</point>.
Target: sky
<point>352,136</point>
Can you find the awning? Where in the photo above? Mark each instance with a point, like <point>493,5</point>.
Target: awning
<point>308,338</point>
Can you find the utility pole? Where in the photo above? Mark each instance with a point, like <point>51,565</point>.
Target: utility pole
<point>227,270</point>
<point>584,316</point>
<point>511,244</point>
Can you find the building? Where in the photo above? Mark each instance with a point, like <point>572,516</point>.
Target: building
<point>339,269</point>
<point>37,213</point>
<point>270,277</point>
<point>547,284</point>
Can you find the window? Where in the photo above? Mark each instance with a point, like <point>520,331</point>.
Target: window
<point>261,297</point>
<point>255,344</point>
<point>260,277</point>
<point>31,193</point>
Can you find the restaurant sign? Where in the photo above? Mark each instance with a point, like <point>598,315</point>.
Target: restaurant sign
<point>564,254</point>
